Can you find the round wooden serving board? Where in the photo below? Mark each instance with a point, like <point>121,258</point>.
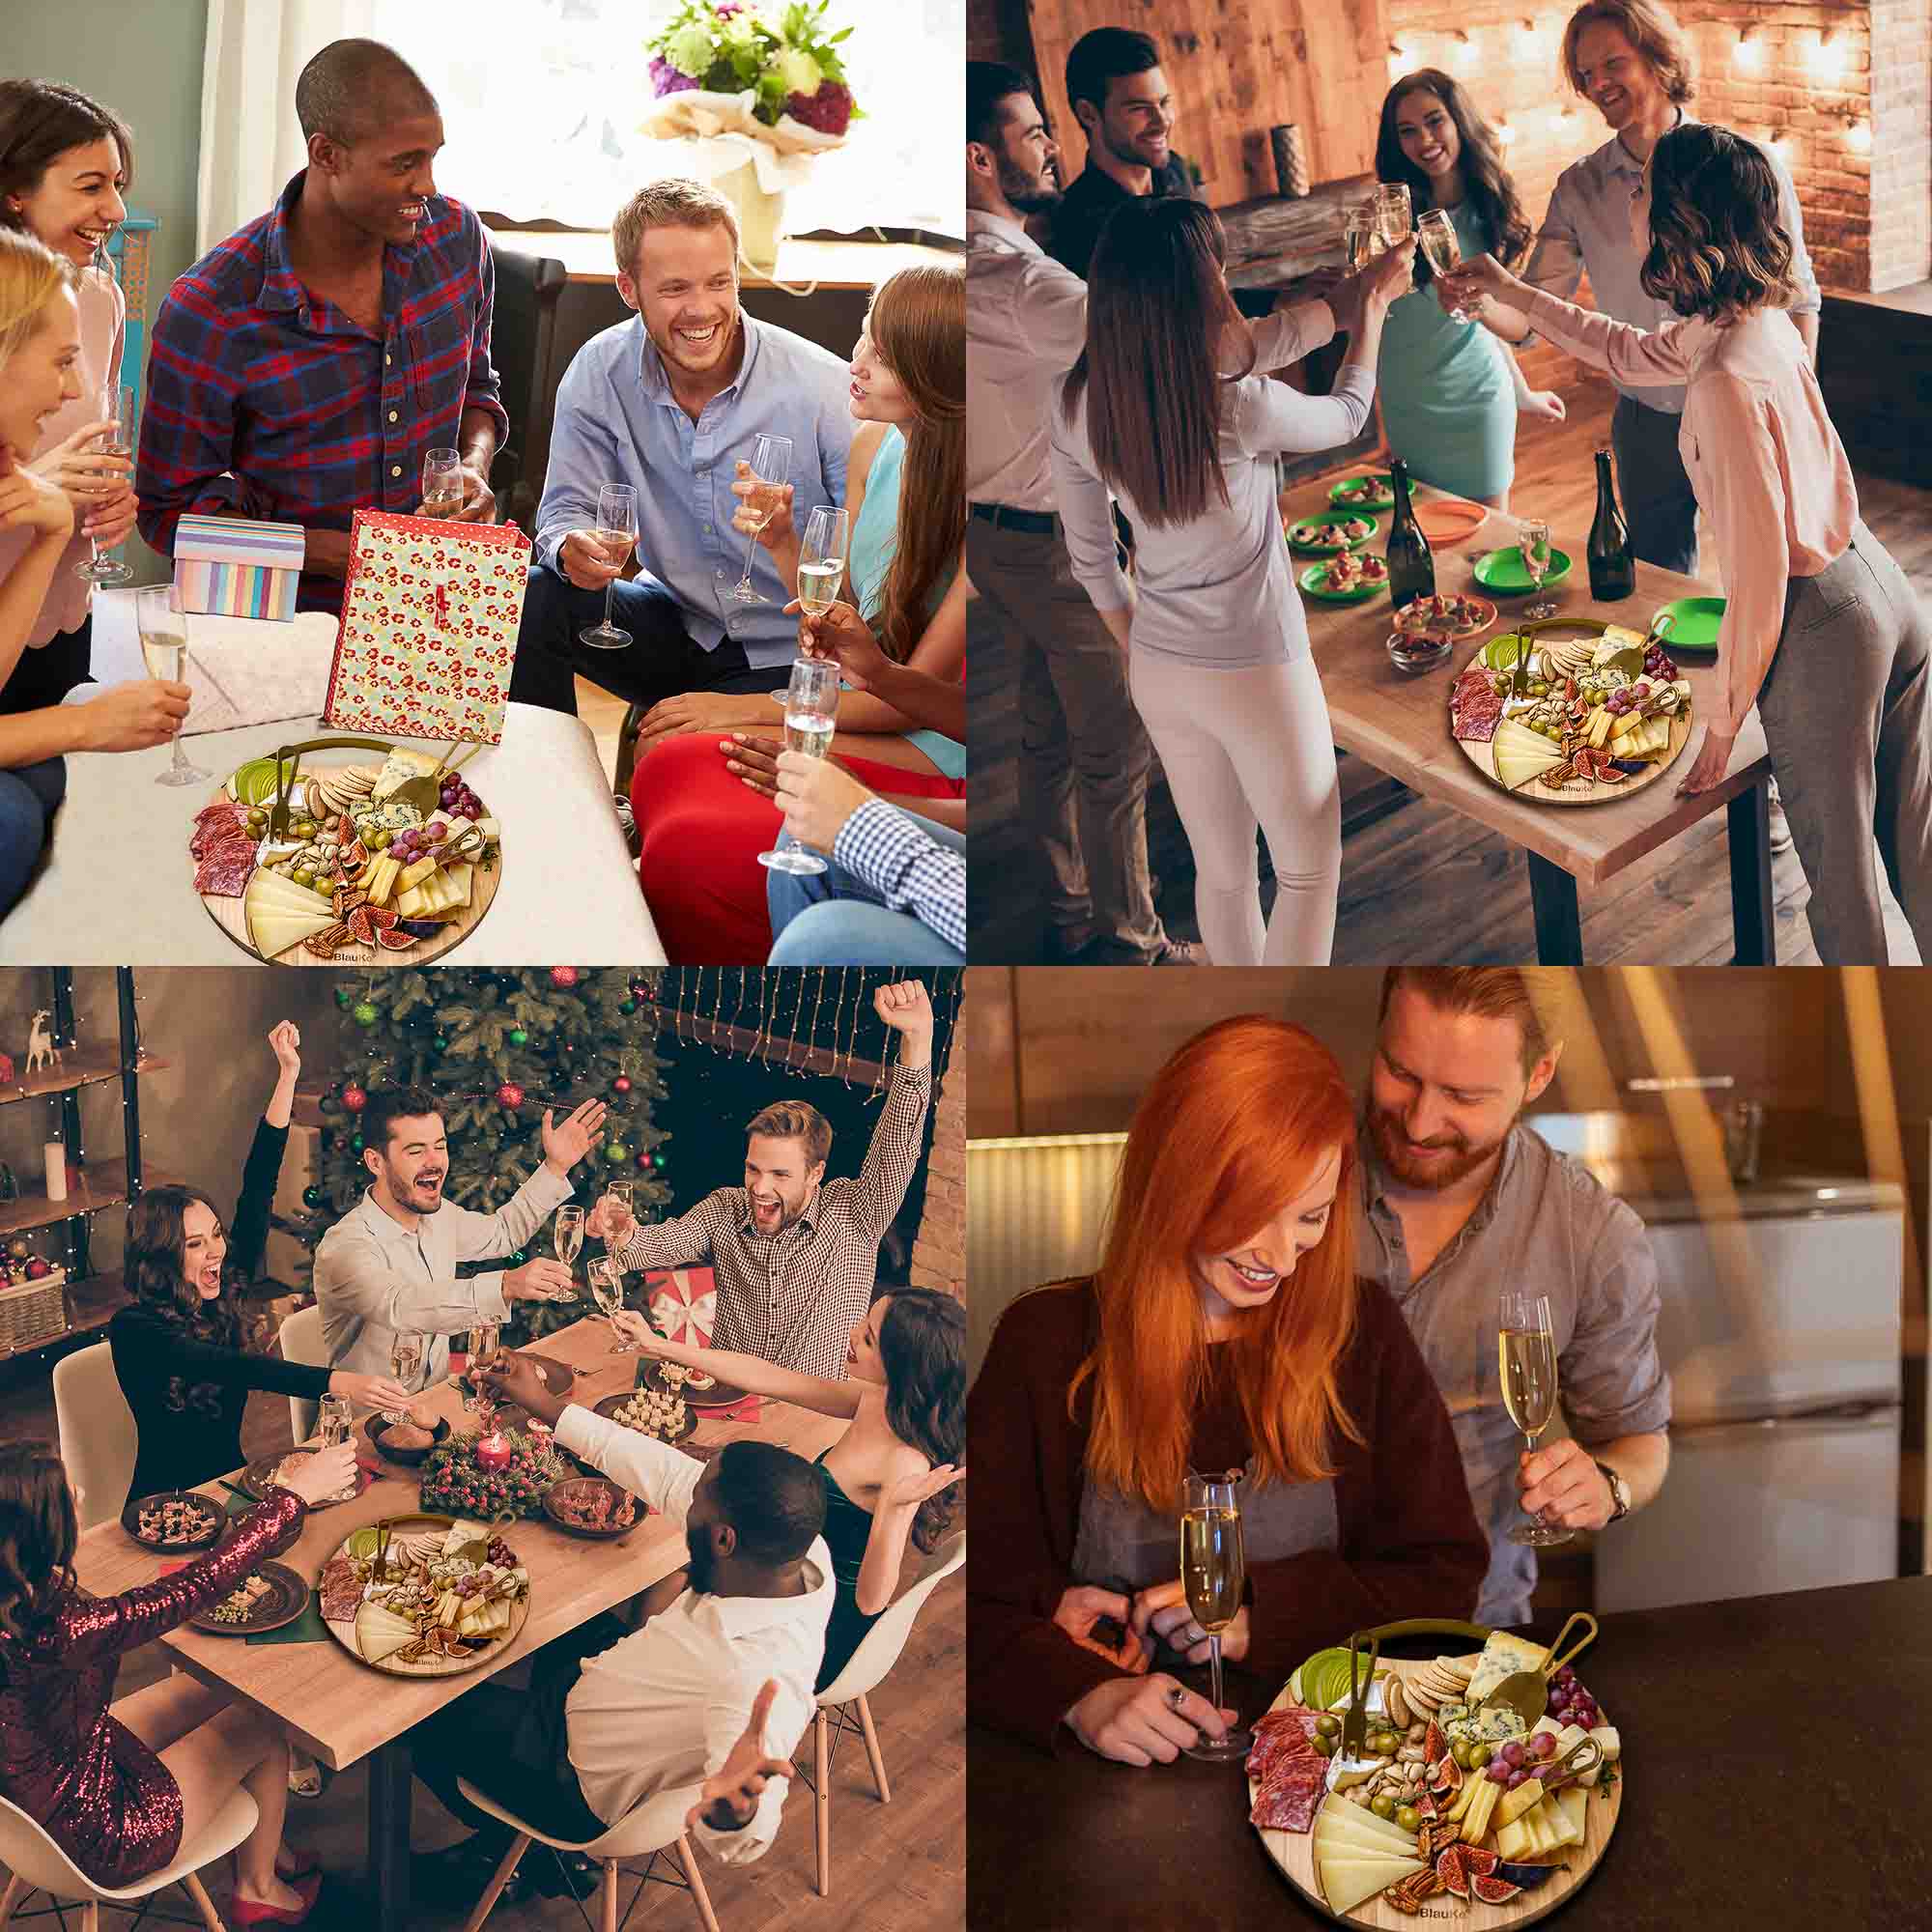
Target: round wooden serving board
<point>1484,755</point>
<point>1294,1852</point>
<point>228,914</point>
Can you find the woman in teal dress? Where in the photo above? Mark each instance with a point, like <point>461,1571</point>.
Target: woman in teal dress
<point>890,1475</point>
<point>1450,391</point>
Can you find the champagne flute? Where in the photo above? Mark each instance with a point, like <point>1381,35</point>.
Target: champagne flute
<point>407,1350</point>
<point>568,1235</point>
<point>1392,212</point>
<point>1359,234</point>
<point>1526,1354</point>
<point>1436,233</point>
<point>606,1290</point>
<point>333,1421</point>
<point>164,627</point>
<point>1213,1571</point>
<point>1535,554</point>
<point>811,704</point>
<point>616,525</point>
<point>821,559</point>
<point>442,483</point>
<point>624,1193</point>
<point>115,399</point>
<point>487,1344</point>
<point>770,463</point>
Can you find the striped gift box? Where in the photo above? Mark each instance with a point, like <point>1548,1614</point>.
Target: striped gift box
<point>227,568</point>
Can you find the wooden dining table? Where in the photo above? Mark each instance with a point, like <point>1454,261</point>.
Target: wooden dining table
<point>339,1709</point>
<point>1399,724</point>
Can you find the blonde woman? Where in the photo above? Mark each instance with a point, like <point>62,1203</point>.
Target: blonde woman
<point>40,357</point>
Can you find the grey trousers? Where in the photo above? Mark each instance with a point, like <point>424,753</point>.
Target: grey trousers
<point>1084,753</point>
<point>1846,720</point>
<point>1658,503</point>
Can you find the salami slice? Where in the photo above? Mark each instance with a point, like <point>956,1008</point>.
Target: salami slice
<point>225,869</point>
<point>1288,1801</point>
<point>217,821</point>
<point>1278,1736</point>
<point>341,1590</point>
<point>1476,708</point>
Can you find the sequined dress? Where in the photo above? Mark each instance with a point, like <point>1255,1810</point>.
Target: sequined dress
<point>97,1791</point>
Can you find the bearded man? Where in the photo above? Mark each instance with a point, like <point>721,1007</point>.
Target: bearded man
<point>1461,1201</point>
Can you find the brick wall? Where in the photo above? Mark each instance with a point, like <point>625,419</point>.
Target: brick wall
<point>939,1250</point>
<point>1902,149</point>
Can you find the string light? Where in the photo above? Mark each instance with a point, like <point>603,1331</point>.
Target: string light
<point>1826,53</point>
<point>1775,140</point>
<point>1858,134</point>
<point>1505,135</point>
<point>1749,53</point>
<point>1399,62</point>
<point>1464,53</point>
<point>1529,40</point>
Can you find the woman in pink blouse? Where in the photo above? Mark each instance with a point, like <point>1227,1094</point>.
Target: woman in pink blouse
<point>1821,630</point>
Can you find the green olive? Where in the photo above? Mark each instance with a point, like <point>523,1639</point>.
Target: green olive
<point>1384,1744</point>
<point>1479,1756</point>
<point>1407,1817</point>
<point>1328,1726</point>
<point>1382,1804</point>
<point>1326,1745</point>
<point>1459,1751</point>
<point>302,876</point>
<point>304,828</point>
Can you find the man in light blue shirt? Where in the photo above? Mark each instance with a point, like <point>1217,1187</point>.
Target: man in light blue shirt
<point>672,402</point>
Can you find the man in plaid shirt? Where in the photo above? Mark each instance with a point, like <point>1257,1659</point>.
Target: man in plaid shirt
<point>303,367</point>
<point>794,1254</point>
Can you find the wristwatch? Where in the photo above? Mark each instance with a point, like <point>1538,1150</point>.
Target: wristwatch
<point>1620,1495</point>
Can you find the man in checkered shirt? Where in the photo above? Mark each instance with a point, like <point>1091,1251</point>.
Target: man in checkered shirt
<point>794,1254</point>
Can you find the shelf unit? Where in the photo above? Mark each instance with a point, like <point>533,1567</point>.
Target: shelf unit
<point>91,1299</point>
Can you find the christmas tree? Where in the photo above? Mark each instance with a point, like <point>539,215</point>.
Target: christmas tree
<point>498,1046</point>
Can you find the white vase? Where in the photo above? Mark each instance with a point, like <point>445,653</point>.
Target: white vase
<point>760,215</point>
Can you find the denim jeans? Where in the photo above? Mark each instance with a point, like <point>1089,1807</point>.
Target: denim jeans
<point>29,797</point>
<point>834,918</point>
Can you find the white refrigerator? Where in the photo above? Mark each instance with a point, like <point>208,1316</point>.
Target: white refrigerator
<point>1779,1326</point>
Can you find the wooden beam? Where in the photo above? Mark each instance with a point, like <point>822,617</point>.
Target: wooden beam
<point>752,1046</point>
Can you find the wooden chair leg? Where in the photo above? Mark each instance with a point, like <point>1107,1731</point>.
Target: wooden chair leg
<point>610,1895</point>
<point>90,1915</point>
<point>872,1751</point>
<point>821,1777</point>
<point>192,1883</point>
<point>505,1870</point>
<point>16,1894</point>
<point>695,1878</point>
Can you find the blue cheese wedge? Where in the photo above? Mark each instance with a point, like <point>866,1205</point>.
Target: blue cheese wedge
<point>1502,1656</point>
<point>398,769</point>
<point>393,816</point>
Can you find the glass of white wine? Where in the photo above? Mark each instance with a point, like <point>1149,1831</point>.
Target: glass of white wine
<point>1526,1351</point>
<point>606,1290</point>
<point>1358,233</point>
<point>617,527</point>
<point>164,627</point>
<point>1215,1572</point>
<point>486,1346</point>
<point>567,1233</point>
<point>1436,233</point>
<point>770,463</point>
<point>1392,214</point>
<point>1535,554</point>
<point>116,399</point>
<point>443,482</point>
<point>821,559</point>
<point>407,1351</point>
<point>810,708</point>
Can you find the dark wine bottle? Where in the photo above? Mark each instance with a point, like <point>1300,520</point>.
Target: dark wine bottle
<point>1411,567</point>
<point>1612,568</point>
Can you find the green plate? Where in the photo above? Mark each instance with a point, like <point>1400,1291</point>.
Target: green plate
<point>1382,499</point>
<point>1332,517</point>
<point>1502,575</point>
<point>1696,625</point>
<point>1314,581</point>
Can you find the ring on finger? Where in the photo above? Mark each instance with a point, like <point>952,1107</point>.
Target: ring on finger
<point>1177,1697</point>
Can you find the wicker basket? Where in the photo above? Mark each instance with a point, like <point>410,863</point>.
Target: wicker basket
<point>34,1312</point>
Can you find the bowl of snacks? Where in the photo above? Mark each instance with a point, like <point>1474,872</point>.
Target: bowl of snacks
<point>409,1440</point>
<point>592,1506</point>
<point>175,1520</point>
<point>1415,651</point>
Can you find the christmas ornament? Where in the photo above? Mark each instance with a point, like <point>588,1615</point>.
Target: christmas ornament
<point>621,1085</point>
<point>365,1015</point>
<point>646,1160</point>
<point>356,1146</point>
<point>440,1044</point>
<point>355,1099</point>
<point>563,976</point>
<point>313,1197</point>
<point>518,1036</point>
<point>658,1161</point>
<point>39,1270</point>
<point>510,1094</point>
<point>617,1151</point>
<point>343,996</point>
<point>626,1006</point>
<point>19,1247</point>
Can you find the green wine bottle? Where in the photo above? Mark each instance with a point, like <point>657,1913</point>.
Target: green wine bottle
<point>1411,567</point>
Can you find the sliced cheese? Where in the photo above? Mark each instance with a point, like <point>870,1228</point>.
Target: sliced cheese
<point>1346,1883</point>
<point>1555,1825</point>
<point>273,932</point>
<point>382,879</point>
<point>412,904</point>
<point>1575,1803</point>
<point>1608,1742</point>
<point>1344,1826</point>
<point>415,874</point>
<point>380,1633</point>
<point>457,881</point>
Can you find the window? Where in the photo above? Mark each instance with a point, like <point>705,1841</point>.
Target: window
<point>542,102</point>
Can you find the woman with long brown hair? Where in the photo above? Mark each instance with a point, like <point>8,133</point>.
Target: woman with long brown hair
<point>1225,1329</point>
<point>1821,630</point>
<point>121,1788</point>
<point>905,495</point>
<point>1170,409</point>
<point>178,1348</point>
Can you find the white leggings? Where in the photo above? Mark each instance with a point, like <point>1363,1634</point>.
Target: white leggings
<point>1246,748</point>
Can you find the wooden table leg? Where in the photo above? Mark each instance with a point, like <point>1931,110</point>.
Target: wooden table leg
<point>1559,927</point>
<point>1754,920</point>
<point>390,1803</point>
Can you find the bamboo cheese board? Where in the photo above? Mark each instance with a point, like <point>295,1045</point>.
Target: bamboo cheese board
<point>1576,732</point>
<point>389,861</point>
<point>1350,1862</point>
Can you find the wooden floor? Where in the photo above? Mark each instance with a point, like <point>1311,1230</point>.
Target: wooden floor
<point>897,1868</point>
<point>1425,882</point>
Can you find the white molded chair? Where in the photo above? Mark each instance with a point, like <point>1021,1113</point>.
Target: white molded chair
<point>38,1864</point>
<point>656,1827</point>
<point>301,1342</point>
<point>865,1670</point>
<point>97,1436</point>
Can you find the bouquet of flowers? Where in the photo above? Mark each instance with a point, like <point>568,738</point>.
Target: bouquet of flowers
<point>455,1484</point>
<point>759,71</point>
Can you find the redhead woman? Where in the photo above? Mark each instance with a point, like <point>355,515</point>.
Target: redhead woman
<point>699,791</point>
<point>121,1787</point>
<point>886,1478</point>
<point>178,1349</point>
<point>1225,1329</point>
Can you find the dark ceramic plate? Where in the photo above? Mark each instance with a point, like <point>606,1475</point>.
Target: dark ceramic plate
<point>217,1520</point>
<point>583,1489</point>
<point>376,1430</point>
<point>286,1600</point>
<point>612,1402</point>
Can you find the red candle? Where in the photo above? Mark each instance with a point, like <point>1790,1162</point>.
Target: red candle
<point>492,1452</point>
